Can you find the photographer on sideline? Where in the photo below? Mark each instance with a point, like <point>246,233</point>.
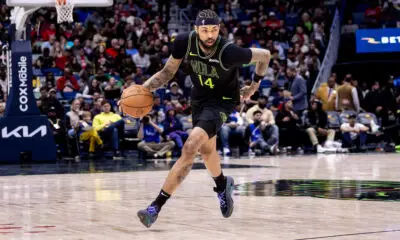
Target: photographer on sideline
<point>150,134</point>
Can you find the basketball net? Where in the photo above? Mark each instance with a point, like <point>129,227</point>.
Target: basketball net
<point>64,9</point>
<point>19,15</point>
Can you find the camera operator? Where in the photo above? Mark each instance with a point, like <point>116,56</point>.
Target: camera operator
<point>150,134</point>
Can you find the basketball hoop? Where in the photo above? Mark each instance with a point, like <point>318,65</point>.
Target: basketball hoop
<point>64,9</point>
<point>24,8</point>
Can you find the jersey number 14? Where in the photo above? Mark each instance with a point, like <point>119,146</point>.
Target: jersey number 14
<point>208,82</point>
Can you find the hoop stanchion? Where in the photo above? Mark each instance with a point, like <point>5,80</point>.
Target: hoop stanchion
<point>23,129</point>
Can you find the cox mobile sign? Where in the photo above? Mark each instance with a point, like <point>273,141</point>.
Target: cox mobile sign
<point>378,40</point>
<point>23,130</point>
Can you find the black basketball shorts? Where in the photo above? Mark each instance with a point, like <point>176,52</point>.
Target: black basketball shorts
<point>210,118</point>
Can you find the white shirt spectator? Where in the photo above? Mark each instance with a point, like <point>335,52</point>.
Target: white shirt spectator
<point>292,64</point>
<point>142,62</point>
<point>357,127</point>
<point>74,117</point>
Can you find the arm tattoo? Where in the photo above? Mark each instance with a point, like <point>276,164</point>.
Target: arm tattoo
<point>164,75</point>
<point>262,57</point>
<point>184,172</point>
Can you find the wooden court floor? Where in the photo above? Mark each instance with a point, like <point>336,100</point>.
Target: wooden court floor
<point>305,197</point>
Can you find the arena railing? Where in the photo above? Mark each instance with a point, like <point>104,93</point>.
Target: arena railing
<point>331,53</point>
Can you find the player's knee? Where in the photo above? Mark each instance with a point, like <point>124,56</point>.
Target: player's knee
<point>205,151</point>
<point>190,148</point>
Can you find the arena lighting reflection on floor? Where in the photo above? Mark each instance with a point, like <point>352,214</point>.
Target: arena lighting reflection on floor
<point>332,189</point>
<point>102,166</point>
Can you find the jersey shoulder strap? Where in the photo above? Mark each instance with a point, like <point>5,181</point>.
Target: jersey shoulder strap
<point>190,42</point>
<point>224,46</point>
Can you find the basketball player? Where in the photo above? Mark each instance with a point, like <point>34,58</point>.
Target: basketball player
<point>214,64</point>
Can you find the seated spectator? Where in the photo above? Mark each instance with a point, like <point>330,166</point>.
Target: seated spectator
<point>97,106</point>
<point>149,133</point>
<point>49,100</point>
<point>58,128</point>
<point>74,116</point>
<point>300,37</point>
<point>234,125</point>
<point>68,82</point>
<point>173,128</point>
<point>142,59</point>
<point>253,134</point>
<point>287,121</point>
<point>86,132</point>
<point>46,60</point>
<point>182,107</point>
<point>354,134</point>
<point>270,130</point>
<point>157,105</point>
<point>173,95</point>
<point>92,88</point>
<point>110,126</point>
<point>112,91</point>
<point>316,121</point>
<point>278,99</point>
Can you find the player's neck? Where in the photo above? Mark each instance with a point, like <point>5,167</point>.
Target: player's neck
<point>206,51</point>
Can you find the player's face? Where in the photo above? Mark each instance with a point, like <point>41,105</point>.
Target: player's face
<point>208,35</point>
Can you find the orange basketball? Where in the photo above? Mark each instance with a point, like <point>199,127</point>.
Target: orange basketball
<point>136,101</point>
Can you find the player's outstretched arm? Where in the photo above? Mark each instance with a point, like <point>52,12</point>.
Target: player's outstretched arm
<point>164,75</point>
<point>261,57</point>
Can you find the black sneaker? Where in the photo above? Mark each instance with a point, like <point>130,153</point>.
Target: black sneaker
<point>149,215</point>
<point>225,198</point>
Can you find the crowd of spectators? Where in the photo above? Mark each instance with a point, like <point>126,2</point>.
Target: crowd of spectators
<point>371,14</point>
<point>80,70</point>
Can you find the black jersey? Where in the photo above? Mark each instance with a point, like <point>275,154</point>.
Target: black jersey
<point>213,77</point>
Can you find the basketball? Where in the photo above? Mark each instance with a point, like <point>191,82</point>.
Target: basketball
<point>136,101</point>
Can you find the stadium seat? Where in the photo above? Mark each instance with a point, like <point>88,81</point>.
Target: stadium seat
<point>333,120</point>
<point>55,71</point>
<point>366,118</point>
<point>69,95</point>
<point>344,116</point>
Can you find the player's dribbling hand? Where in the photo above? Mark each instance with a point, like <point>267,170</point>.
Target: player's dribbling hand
<point>146,85</point>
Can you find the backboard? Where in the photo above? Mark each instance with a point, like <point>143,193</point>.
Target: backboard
<point>51,3</point>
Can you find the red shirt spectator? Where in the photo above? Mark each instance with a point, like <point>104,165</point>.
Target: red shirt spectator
<point>373,12</point>
<point>46,34</point>
<point>67,81</point>
<point>273,23</point>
